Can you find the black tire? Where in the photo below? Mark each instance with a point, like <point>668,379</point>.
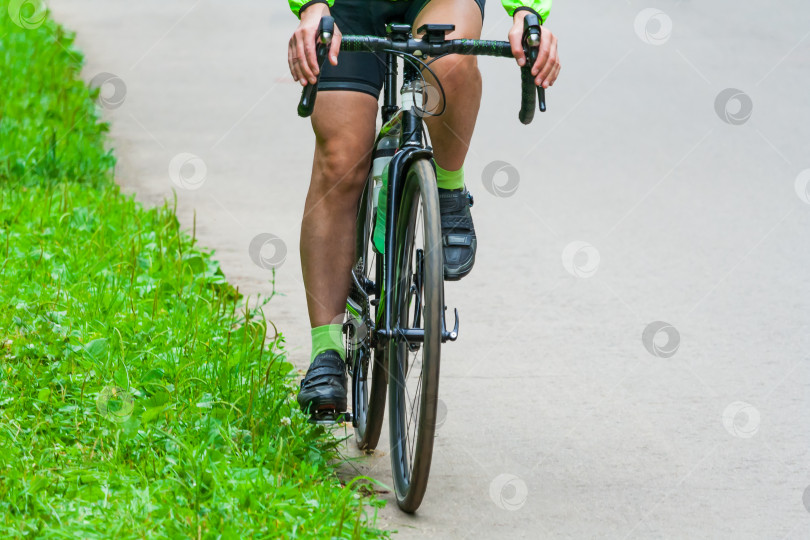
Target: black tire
<point>368,364</point>
<point>414,367</point>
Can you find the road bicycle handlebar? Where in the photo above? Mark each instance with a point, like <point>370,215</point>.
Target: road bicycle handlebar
<point>434,44</point>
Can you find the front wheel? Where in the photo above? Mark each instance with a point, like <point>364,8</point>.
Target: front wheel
<point>418,298</point>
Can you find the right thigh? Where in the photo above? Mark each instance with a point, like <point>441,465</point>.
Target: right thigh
<point>344,125</point>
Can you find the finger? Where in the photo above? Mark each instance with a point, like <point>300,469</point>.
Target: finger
<point>551,62</point>
<point>298,75</point>
<point>293,60</point>
<point>334,49</point>
<point>542,56</point>
<point>310,60</point>
<point>290,60</point>
<point>553,76</point>
<point>517,47</point>
<point>548,81</point>
<point>297,63</point>
<point>302,61</point>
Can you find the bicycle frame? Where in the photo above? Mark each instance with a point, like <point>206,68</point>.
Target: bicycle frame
<point>411,148</point>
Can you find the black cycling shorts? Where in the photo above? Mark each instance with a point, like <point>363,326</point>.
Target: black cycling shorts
<point>364,71</point>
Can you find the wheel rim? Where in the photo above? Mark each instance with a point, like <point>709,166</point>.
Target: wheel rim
<point>359,344</point>
<point>410,356</point>
<point>359,363</point>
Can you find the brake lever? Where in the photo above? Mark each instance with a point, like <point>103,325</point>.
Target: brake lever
<point>531,48</point>
<point>326,29</point>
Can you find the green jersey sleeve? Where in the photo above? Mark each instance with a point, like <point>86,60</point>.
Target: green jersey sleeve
<point>296,5</point>
<point>542,7</point>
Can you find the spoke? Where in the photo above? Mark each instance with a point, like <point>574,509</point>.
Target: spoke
<point>415,405</point>
<point>407,433</point>
<point>415,400</point>
<point>414,306</point>
<point>404,436</point>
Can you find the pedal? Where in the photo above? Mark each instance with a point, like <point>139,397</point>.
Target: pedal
<point>329,417</point>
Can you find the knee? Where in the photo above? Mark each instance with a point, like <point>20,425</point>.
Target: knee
<point>457,71</point>
<point>340,169</point>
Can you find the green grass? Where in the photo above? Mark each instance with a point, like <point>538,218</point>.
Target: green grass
<point>139,397</point>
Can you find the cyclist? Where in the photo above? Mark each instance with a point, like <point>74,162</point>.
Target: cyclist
<point>344,123</point>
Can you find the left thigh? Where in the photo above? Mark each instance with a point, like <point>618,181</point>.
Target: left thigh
<point>467,15</point>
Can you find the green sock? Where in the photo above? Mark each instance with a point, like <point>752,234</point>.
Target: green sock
<point>449,179</point>
<point>328,337</point>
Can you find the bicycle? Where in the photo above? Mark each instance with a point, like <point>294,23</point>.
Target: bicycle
<point>397,346</point>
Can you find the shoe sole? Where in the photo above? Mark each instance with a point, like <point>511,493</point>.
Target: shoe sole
<point>318,405</point>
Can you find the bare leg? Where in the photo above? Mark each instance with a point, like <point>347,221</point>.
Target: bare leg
<point>344,134</point>
<point>451,132</point>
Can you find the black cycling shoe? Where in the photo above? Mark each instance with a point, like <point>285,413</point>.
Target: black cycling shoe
<point>458,232</point>
<point>324,386</point>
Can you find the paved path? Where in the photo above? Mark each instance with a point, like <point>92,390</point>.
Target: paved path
<point>635,203</point>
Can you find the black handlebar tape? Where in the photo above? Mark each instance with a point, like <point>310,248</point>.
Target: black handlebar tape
<point>527,95</point>
<point>455,46</point>
<point>364,44</point>
<point>310,92</point>
<point>481,47</point>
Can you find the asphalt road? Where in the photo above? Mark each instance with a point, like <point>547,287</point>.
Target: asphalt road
<point>633,359</point>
